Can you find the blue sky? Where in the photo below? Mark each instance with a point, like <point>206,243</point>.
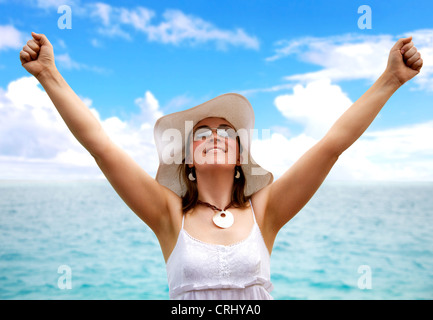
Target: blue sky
<point>300,63</point>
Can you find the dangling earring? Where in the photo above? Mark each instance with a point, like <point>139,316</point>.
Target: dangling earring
<point>238,173</point>
<point>191,176</point>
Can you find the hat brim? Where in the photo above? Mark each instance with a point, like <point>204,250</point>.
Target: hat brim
<point>171,132</point>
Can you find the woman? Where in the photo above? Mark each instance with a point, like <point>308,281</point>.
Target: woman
<point>216,212</point>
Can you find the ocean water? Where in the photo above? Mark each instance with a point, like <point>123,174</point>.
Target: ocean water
<point>78,240</point>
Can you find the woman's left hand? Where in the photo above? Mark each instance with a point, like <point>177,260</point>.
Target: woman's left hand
<point>404,60</point>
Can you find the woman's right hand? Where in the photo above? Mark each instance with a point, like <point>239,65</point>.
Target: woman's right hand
<point>37,55</point>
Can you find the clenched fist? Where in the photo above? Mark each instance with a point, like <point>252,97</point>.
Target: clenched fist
<point>404,60</point>
<point>37,55</point>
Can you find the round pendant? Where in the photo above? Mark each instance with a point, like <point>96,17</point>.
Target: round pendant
<point>223,219</point>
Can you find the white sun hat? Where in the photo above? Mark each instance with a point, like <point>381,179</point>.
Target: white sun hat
<point>171,134</point>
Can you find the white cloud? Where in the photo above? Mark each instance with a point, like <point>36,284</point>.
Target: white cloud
<point>277,153</point>
<point>35,142</point>
<point>149,108</point>
<point>65,61</point>
<point>138,18</point>
<point>401,153</point>
<point>11,38</point>
<point>351,57</point>
<point>96,43</point>
<point>342,57</point>
<point>114,31</point>
<point>102,11</point>
<point>28,127</point>
<point>175,28</point>
<point>179,27</point>
<point>47,4</point>
<point>316,106</point>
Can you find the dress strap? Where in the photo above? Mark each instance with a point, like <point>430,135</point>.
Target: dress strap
<point>254,215</point>
<point>183,219</point>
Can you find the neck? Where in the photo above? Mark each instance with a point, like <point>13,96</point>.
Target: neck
<point>215,187</point>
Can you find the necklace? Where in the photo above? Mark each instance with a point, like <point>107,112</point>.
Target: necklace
<point>222,218</point>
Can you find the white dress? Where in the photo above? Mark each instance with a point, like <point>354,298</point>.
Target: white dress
<point>203,271</point>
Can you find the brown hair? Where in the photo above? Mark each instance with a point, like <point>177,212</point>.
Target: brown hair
<point>189,199</point>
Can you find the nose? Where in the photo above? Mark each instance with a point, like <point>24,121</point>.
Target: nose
<point>215,136</point>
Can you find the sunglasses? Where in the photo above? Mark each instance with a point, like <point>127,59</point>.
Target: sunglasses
<point>223,131</point>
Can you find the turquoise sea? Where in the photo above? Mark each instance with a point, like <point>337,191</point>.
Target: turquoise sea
<point>78,240</point>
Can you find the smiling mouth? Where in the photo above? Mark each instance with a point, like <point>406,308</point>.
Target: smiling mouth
<point>214,149</point>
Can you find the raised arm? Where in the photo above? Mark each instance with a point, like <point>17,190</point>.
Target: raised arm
<point>404,63</point>
<point>287,195</point>
<point>37,57</point>
<point>146,197</point>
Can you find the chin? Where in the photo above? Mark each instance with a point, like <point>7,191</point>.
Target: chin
<point>216,162</point>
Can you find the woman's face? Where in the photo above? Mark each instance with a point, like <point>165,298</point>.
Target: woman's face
<point>214,142</point>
